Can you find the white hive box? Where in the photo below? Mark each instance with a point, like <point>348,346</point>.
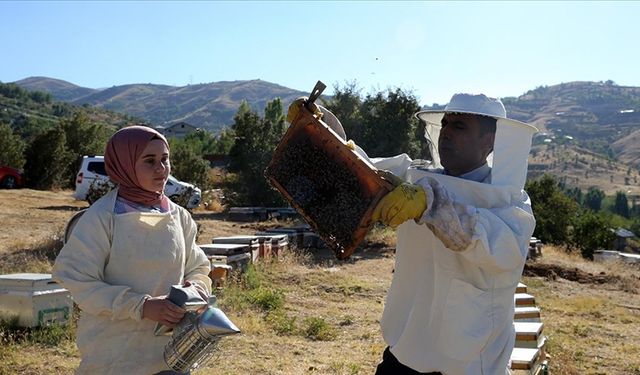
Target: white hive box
<point>253,242</point>
<point>35,299</point>
<point>279,242</point>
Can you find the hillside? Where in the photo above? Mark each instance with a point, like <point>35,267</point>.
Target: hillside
<point>596,116</point>
<point>589,131</point>
<point>59,89</point>
<point>591,115</point>
<point>210,106</point>
<point>579,167</point>
<point>29,112</point>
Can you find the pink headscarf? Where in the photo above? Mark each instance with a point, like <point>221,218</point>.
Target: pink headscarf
<point>123,150</point>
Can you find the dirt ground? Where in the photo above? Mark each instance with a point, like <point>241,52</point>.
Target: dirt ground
<point>591,311</point>
<point>28,217</point>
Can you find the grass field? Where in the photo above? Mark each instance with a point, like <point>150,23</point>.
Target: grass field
<point>312,314</point>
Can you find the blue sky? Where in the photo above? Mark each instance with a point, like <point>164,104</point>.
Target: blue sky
<point>433,49</point>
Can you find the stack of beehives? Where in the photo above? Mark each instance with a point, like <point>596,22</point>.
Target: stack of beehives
<point>528,356</point>
<point>234,253</point>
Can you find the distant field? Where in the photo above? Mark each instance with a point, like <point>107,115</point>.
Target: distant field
<point>310,314</point>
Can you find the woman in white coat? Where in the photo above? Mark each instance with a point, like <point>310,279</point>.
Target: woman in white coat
<point>123,256</point>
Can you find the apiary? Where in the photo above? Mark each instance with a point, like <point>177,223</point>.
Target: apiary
<point>219,274</point>
<point>256,245</point>
<point>294,236</point>
<point>247,214</point>
<point>526,361</point>
<point>225,248</point>
<point>282,213</point>
<point>279,242</point>
<point>238,262</point>
<point>35,299</point>
<point>529,334</point>
<point>331,186</point>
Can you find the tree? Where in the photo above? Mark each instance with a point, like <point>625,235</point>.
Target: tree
<point>621,206</point>
<point>187,163</point>
<point>552,209</point>
<point>345,105</point>
<point>593,198</point>
<point>251,153</point>
<point>574,193</point>
<point>389,123</point>
<point>590,232</point>
<point>273,124</point>
<point>224,142</point>
<point>82,138</point>
<point>11,148</point>
<point>47,160</point>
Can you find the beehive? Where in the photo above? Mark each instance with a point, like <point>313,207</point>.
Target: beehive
<point>35,299</point>
<point>331,186</point>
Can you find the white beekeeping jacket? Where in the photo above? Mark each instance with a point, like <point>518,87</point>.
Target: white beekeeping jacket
<point>450,306</point>
<point>111,264</point>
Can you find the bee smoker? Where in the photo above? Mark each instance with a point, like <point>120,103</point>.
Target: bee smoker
<point>194,340</point>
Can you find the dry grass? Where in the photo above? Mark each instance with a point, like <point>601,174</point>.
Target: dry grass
<point>591,328</point>
<point>312,314</point>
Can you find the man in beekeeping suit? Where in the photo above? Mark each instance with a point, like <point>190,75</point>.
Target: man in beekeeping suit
<point>463,229</point>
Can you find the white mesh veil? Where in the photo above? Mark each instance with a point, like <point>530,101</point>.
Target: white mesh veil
<point>512,142</point>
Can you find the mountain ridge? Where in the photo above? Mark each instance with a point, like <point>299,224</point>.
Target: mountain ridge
<point>599,116</point>
<point>207,105</point>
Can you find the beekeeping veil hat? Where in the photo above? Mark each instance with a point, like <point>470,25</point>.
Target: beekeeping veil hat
<point>508,160</point>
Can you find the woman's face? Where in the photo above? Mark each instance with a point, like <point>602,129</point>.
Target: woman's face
<point>153,168</point>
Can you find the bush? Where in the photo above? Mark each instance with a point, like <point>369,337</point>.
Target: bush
<point>266,299</point>
<point>281,323</point>
<point>318,329</point>
<point>590,232</point>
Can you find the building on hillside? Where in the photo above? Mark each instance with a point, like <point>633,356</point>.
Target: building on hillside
<point>623,236</point>
<point>177,130</point>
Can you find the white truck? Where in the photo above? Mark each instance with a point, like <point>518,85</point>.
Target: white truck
<point>92,182</point>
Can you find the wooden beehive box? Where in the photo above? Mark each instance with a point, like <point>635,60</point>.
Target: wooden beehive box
<point>330,185</point>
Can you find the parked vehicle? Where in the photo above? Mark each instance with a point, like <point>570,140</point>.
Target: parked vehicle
<point>11,178</point>
<point>92,183</point>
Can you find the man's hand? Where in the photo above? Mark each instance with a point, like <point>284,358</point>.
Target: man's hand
<point>406,201</point>
<point>294,109</point>
<point>163,311</point>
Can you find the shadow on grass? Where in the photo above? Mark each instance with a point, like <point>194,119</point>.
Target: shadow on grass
<point>324,256</point>
<point>61,208</point>
<point>209,215</point>
<point>36,259</point>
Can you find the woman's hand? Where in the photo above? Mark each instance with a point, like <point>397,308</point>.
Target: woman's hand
<point>163,311</point>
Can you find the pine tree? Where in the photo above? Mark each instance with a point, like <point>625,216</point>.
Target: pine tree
<point>47,160</point>
<point>11,148</point>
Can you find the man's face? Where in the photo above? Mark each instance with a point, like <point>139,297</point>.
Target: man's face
<point>462,145</point>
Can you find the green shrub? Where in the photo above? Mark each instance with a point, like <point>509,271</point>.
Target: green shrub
<point>281,323</point>
<point>267,299</point>
<point>318,329</point>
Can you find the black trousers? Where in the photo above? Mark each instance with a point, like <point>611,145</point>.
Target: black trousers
<point>391,366</point>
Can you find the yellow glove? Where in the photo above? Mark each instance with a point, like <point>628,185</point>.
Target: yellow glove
<point>294,109</point>
<point>407,201</point>
<point>351,145</point>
